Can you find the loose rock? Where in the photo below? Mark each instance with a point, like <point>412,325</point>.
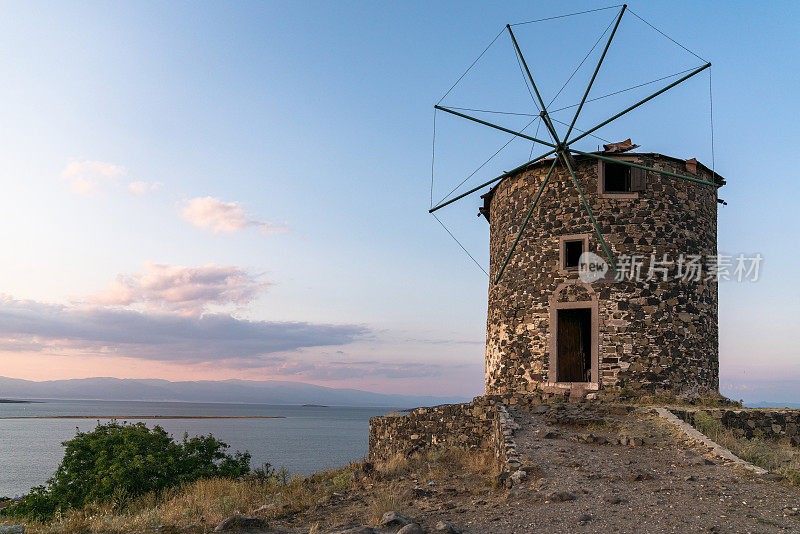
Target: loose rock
<point>561,496</point>
<point>518,476</point>
<point>395,519</point>
<point>447,528</point>
<point>411,528</point>
<point>353,529</point>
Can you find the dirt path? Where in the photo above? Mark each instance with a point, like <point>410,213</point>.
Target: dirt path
<point>582,478</point>
<point>665,486</point>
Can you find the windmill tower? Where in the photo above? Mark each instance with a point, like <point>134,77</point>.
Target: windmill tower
<point>646,318</point>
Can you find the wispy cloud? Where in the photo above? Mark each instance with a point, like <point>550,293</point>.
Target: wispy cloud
<point>218,216</point>
<point>87,176</point>
<point>35,326</point>
<point>187,291</point>
<point>140,189</point>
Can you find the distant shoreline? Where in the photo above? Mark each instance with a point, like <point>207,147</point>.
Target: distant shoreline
<point>251,392</point>
<point>15,401</point>
<point>50,400</point>
<point>144,417</point>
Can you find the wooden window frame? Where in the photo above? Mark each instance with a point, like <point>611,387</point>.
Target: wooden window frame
<point>562,251</point>
<point>601,179</point>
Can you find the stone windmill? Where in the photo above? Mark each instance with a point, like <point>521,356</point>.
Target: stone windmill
<point>550,326</point>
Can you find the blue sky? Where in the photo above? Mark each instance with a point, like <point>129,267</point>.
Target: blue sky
<point>290,143</point>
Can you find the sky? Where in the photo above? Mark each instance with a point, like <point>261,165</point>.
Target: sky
<point>209,190</point>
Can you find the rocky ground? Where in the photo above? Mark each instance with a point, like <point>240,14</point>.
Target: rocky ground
<point>586,480</point>
<point>588,470</point>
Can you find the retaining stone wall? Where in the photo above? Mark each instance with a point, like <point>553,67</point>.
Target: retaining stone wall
<point>751,423</point>
<point>475,425</point>
<point>508,460</point>
<point>469,426</point>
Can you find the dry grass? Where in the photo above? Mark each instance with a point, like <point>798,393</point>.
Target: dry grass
<point>382,502</point>
<point>201,505</point>
<point>439,464</point>
<point>397,464</point>
<point>434,466</point>
<point>776,455</point>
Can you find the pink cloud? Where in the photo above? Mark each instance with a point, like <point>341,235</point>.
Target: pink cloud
<point>218,216</point>
<point>187,291</point>
<point>86,176</point>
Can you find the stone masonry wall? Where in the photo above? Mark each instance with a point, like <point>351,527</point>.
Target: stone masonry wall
<point>483,424</point>
<point>468,426</point>
<point>752,423</point>
<point>658,336</point>
<point>508,460</point>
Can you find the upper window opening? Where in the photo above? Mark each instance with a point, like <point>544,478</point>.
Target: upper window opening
<point>572,253</point>
<point>617,178</point>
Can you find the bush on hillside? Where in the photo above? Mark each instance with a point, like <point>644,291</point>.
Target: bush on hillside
<point>117,462</point>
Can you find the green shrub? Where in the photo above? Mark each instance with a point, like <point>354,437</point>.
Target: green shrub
<point>266,474</point>
<point>262,473</point>
<point>116,463</point>
<point>343,480</point>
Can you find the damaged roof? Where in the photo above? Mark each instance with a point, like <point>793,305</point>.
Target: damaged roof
<point>612,149</point>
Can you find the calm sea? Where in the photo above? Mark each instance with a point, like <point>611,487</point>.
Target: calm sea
<point>305,440</point>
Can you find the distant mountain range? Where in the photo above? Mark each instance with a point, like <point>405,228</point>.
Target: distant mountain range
<point>230,391</point>
<point>757,392</point>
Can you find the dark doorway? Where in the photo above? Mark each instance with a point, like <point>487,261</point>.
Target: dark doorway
<point>574,359</point>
